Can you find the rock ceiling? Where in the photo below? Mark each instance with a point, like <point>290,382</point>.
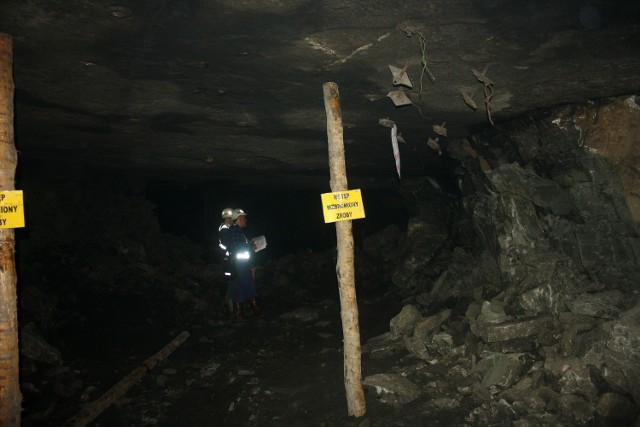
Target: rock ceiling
<point>232,89</point>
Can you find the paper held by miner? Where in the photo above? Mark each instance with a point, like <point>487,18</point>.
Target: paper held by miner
<point>259,243</point>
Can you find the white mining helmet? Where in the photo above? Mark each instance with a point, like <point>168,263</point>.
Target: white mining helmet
<point>237,213</point>
<point>227,213</point>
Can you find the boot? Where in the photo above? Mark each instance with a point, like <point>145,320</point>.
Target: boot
<point>255,307</point>
<point>238,313</point>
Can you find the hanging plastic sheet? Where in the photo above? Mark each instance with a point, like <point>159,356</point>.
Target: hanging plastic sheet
<point>433,144</point>
<point>396,151</point>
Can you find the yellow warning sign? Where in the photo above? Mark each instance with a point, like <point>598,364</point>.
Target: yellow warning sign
<point>342,206</point>
<point>11,209</point>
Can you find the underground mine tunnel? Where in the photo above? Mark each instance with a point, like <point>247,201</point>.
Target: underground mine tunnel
<point>495,148</point>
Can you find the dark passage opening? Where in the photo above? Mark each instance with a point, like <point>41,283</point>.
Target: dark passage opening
<point>291,220</point>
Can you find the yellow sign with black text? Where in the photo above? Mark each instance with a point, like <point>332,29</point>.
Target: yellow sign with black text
<point>342,206</point>
<point>11,209</point>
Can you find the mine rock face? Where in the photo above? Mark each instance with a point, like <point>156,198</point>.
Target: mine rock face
<point>543,323</point>
<point>555,201</point>
<point>424,240</point>
<point>610,129</point>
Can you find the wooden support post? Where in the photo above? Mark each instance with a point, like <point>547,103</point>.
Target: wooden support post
<point>95,408</point>
<point>10,397</point>
<point>344,267</point>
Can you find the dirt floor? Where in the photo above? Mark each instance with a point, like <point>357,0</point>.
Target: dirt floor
<point>267,371</point>
<point>105,312</point>
<point>283,369</point>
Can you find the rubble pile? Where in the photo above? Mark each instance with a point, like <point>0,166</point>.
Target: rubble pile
<point>537,322</point>
<point>536,370</point>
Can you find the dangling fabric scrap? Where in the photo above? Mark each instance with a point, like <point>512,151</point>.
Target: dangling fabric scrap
<point>396,151</point>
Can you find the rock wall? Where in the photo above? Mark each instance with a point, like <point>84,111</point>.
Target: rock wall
<point>73,203</point>
<point>533,318</point>
<point>544,195</point>
<point>612,130</point>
